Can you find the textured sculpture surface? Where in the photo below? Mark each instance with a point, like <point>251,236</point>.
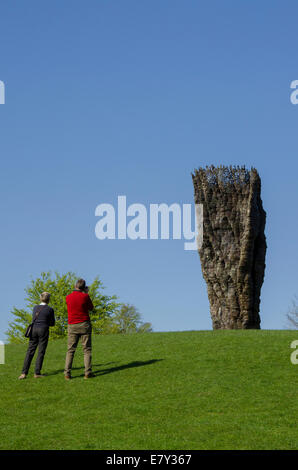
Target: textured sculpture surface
<point>234,244</point>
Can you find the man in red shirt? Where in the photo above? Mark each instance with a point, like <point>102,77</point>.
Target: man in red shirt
<point>79,305</point>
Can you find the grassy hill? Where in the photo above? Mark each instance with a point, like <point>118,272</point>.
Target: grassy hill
<point>184,390</point>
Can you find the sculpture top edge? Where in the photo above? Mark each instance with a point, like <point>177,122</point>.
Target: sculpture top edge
<point>226,175</point>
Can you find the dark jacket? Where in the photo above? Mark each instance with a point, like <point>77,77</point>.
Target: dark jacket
<point>46,315</point>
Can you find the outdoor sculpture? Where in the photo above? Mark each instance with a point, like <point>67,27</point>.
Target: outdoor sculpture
<point>234,244</point>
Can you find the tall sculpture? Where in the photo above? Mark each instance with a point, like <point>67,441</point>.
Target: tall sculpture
<point>234,244</point>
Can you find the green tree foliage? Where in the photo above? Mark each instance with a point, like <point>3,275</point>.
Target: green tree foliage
<point>108,317</point>
<point>127,319</point>
<point>59,287</point>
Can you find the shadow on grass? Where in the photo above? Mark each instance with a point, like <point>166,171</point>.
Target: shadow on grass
<point>126,366</point>
<point>60,371</point>
<point>108,370</point>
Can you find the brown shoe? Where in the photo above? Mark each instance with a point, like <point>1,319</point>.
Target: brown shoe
<point>22,376</point>
<point>89,376</point>
<point>67,377</point>
<point>38,376</point>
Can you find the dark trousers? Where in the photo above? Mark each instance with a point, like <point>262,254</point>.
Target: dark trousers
<point>40,336</point>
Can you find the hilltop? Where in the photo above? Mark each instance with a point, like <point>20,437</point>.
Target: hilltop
<point>226,389</point>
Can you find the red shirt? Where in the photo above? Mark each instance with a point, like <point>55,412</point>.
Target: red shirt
<point>78,305</point>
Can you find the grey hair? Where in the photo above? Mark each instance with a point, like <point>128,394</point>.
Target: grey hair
<point>45,297</point>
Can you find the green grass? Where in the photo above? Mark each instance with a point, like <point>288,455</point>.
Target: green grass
<point>158,391</point>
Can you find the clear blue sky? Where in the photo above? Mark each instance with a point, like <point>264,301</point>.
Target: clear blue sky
<point>108,98</point>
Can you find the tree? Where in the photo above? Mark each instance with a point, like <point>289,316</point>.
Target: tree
<point>292,315</point>
<point>127,319</point>
<point>59,286</point>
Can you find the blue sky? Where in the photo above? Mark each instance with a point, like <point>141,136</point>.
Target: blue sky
<point>108,98</point>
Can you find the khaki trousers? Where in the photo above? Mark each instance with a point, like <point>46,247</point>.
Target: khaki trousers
<point>75,332</point>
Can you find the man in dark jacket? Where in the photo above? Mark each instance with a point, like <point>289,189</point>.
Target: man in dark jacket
<point>79,305</point>
<point>43,317</point>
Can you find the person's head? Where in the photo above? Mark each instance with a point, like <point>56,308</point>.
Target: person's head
<point>80,285</point>
<point>45,297</point>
